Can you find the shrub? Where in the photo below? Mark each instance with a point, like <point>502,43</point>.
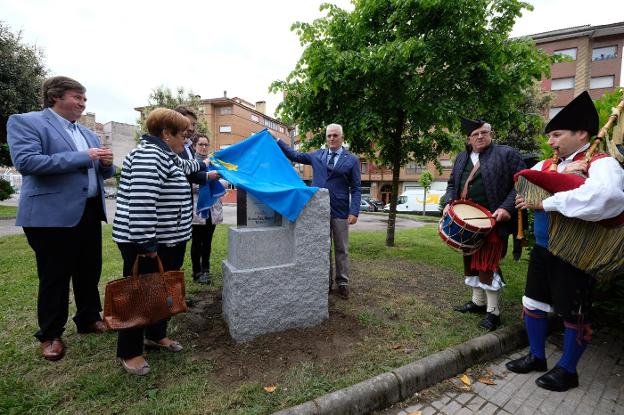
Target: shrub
<point>6,190</point>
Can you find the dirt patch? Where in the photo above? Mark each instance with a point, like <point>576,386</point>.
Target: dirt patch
<point>267,358</point>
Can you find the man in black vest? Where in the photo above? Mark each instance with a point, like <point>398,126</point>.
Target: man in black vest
<point>489,170</point>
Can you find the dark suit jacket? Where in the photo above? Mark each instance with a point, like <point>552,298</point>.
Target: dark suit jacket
<point>199,177</point>
<point>54,172</point>
<point>343,181</point>
<point>498,164</point>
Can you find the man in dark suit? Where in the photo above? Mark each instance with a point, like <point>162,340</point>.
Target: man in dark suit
<point>483,173</point>
<point>337,170</point>
<point>61,208</point>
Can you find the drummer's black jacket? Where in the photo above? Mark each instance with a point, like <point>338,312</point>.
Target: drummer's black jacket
<point>498,164</point>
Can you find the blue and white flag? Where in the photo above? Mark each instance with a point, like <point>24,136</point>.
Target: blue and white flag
<point>258,166</point>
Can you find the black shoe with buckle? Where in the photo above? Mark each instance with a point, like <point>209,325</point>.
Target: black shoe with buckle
<point>470,307</point>
<point>490,322</point>
<point>558,380</point>
<point>343,292</point>
<point>526,364</point>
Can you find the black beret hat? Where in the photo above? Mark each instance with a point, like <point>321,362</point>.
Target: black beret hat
<point>469,125</point>
<point>579,114</point>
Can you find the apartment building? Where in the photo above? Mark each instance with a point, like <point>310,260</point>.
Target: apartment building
<point>594,61</point>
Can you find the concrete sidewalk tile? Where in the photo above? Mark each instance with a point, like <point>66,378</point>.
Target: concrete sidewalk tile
<point>463,411</point>
<point>463,398</point>
<point>451,395</point>
<point>451,408</point>
<point>513,405</point>
<point>429,411</point>
<point>375,393</point>
<point>500,399</point>
<point>475,404</point>
<point>438,404</point>
<point>488,409</point>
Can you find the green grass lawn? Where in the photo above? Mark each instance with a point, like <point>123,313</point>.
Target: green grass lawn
<point>400,307</point>
<point>7,211</point>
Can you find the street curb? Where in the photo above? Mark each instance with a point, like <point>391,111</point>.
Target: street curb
<point>397,385</point>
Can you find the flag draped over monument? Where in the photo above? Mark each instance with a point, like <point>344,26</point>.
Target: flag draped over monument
<point>258,166</point>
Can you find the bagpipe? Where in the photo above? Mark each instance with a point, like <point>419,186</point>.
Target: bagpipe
<point>594,247</point>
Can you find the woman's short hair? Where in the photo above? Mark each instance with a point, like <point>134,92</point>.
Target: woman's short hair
<point>56,87</point>
<point>160,119</point>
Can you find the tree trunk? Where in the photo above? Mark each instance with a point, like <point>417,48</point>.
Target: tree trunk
<point>396,169</point>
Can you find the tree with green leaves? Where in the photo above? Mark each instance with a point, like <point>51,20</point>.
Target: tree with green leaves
<point>22,72</point>
<point>163,97</point>
<point>397,74</point>
<point>425,181</point>
<point>522,127</point>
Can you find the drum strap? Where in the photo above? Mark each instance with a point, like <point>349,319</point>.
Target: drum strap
<point>464,192</point>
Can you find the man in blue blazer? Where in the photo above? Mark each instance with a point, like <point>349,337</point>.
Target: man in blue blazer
<point>61,208</point>
<point>337,170</point>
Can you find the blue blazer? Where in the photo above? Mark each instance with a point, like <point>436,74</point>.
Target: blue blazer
<point>342,181</point>
<point>54,173</point>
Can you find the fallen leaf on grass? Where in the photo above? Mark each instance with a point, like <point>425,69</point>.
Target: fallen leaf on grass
<point>270,389</point>
<point>486,381</point>
<point>466,380</point>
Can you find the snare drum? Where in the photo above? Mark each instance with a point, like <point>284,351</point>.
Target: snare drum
<point>465,226</point>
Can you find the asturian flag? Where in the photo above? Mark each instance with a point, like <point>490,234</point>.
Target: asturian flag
<point>258,166</point>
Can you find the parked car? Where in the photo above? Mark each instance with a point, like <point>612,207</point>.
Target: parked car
<point>411,201</point>
<point>376,205</point>
<point>366,207</point>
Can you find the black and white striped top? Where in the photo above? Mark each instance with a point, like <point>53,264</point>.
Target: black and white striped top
<point>154,203</point>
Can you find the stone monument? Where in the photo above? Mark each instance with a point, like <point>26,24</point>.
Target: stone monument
<point>277,272</point>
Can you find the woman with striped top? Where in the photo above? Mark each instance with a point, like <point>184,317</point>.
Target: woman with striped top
<point>154,213</point>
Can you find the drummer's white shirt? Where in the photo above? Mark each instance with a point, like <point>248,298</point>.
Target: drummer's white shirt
<point>600,197</point>
<point>474,157</point>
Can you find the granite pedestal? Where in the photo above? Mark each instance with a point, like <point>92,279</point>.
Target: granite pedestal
<point>276,277</point>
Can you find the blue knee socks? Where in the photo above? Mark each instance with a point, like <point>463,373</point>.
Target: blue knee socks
<point>537,329</point>
<point>572,350</point>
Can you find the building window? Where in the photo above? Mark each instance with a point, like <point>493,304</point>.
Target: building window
<point>602,82</point>
<point>255,118</point>
<point>281,130</point>
<point>562,83</point>
<point>413,168</point>
<point>553,111</point>
<point>607,52</point>
<point>446,164</point>
<point>225,128</point>
<point>570,53</point>
<point>364,167</point>
<point>225,110</point>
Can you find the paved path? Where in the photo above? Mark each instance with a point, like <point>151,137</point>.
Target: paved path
<point>601,389</point>
<point>366,222</point>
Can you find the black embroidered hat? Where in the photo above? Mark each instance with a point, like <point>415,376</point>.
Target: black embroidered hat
<point>579,114</point>
<point>469,125</point>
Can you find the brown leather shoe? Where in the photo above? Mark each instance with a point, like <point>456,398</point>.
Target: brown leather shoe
<point>97,327</point>
<point>343,292</point>
<point>53,349</point>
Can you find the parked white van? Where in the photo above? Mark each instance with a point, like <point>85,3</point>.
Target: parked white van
<point>412,199</point>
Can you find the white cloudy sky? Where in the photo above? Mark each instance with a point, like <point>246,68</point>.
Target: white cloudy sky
<point>121,50</point>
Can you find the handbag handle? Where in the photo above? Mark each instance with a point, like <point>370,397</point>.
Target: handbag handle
<point>135,266</point>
